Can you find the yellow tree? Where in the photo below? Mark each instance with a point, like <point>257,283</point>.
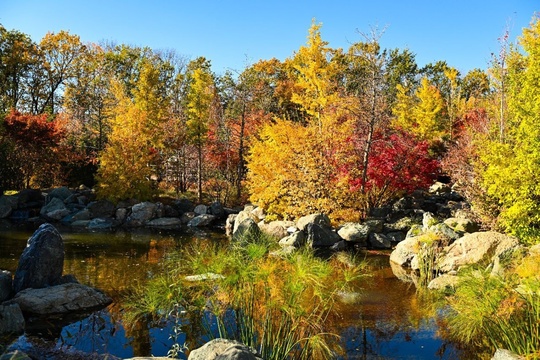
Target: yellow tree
<point>128,162</point>
<point>421,114</point>
<point>199,102</point>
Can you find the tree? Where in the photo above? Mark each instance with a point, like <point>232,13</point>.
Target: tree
<point>199,101</point>
<point>421,114</point>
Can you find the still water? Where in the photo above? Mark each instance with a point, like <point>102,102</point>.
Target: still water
<point>390,321</point>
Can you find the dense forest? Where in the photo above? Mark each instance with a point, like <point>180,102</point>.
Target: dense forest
<point>338,131</point>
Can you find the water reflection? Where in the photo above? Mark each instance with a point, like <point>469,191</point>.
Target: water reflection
<point>389,321</point>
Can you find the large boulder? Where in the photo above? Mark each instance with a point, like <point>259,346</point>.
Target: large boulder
<point>502,354</point>
<point>11,319</point>
<point>247,230</point>
<point>223,349</point>
<point>201,220</point>
<point>201,210</point>
<point>217,209</point>
<point>62,193</point>
<point>42,261</point>
<point>318,219</point>
<point>476,247</point>
<point>141,213</point>
<point>8,203</point>
<point>60,300</point>
<point>355,232</point>
<point>379,241</point>
<point>243,215</point>
<point>318,236</point>
<point>296,239</point>
<point>406,251</point>
<point>462,225</point>
<point>54,210</point>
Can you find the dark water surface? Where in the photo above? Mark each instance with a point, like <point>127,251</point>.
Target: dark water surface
<point>390,321</point>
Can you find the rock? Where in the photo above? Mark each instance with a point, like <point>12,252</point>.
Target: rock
<point>165,223</point>
<point>202,277</point>
<point>354,232</point>
<point>216,209</point>
<point>247,230</point>
<point>414,231</point>
<point>229,224</point>
<point>201,210</point>
<point>80,223</point>
<point>439,188</point>
<point>121,214</point>
<point>318,219</point>
<point>502,354</point>
<point>187,217</point>
<point>396,236</point>
<point>443,282</point>
<point>320,236</point>
<point>258,212</point>
<point>101,209</point>
<point>100,224</point>
<point>403,224</point>
<point>443,231</point>
<point>5,211</point>
<point>29,196</point>
<point>380,212</point>
<point>60,300</point>
<point>476,247</point>
<point>202,220</point>
<point>277,229</point>
<point>461,225</point>
<point>379,241</point>
<point>141,213</point>
<point>339,246</point>
<point>57,214</point>
<point>428,221</point>
<point>223,349</point>
<point>11,319</point>
<point>15,355</point>
<point>297,239</point>
<point>183,206</point>
<point>62,193</point>
<point>53,207</point>
<point>83,214</point>
<point>42,261</point>
<point>7,205</point>
<point>6,285</point>
<point>405,251</point>
<point>243,215</point>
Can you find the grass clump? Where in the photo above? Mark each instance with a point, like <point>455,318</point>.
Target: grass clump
<point>278,306</point>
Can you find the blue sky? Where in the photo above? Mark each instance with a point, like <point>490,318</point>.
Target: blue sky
<point>234,34</point>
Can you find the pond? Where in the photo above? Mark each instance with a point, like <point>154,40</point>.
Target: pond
<point>390,321</point>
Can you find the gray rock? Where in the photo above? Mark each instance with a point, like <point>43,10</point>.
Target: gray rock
<point>502,354</point>
<point>403,224</point>
<point>258,212</point>
<point>396,236</point>
<point>428,221</point>
<point>28,196</point>
<point>57,214</point>
<point>476,247</point>
<point>6,285</point>
<point>277,229</point>
<point>42,261</point>
<point>223,349</point>
<point>141,213</point>
<point>62,193</point>
<point>216,209</point>
<point>183,206</point>
<point>297,239</point>
<point>247,230</point>
<point>187,217</point>
<point>318,219</point>
<point>101,209</point>
<point>52,206</point>
<point>202,220</point>
<point>355,232</point>
<point>8,203</point>
<point>60,299</point>
<point>243,215</point>
<point>339,246</point>
<point>100,224</point>
<point>84,214</point>
<point>444,232</point>
<point>439,188</point>
<point>379,241</point>
<point>11,319</point>
<point>168,223</point>
<point>414,231</point>
<point>201,210</point>
<point>121,214</point>
<point>318,236</point>
<point>80,223</point>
